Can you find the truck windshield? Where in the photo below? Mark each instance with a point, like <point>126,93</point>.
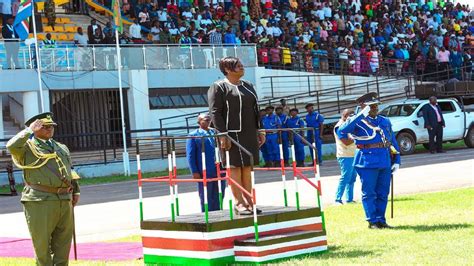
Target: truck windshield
<point>399,110</point>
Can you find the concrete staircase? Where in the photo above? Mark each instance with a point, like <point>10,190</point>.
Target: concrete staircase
<point>10,128</point>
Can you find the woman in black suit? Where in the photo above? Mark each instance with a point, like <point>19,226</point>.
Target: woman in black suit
<point>233,105</point>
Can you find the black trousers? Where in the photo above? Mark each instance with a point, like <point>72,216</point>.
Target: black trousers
<point>436,137</point>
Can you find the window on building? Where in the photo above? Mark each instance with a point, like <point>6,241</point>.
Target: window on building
<point>167,98</point>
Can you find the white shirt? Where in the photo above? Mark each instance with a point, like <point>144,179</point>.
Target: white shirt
<point>327,12</point>
<point>291,16</point>
<point>320,14</point>
<point>81,39</point>
<point>162,16</point>
<point>155,30</point>
<point>187,14</point>
<point>135,31</point>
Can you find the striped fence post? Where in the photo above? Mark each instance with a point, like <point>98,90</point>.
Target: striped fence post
<point>204,179</point>
<point>170,176</point>
<point>254,195</point>
<point>231,205</point>
<point>218,171</point>
<point>140,193</point>
<point>283,174</point>
<point>175,175</point>
<point>293,157</point>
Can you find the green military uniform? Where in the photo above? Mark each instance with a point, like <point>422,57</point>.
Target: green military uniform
<point>50,11</point>
<point>46,198</point>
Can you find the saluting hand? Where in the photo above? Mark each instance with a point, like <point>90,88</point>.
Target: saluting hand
<point>36,125</point>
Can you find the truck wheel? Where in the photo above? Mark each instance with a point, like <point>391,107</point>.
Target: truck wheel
<point>469,139</point>
<point>426,145</point>
<point>406,142</point>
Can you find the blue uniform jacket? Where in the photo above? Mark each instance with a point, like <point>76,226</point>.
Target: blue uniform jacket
<point>314,120</point>
<point>373,157</point>
<point>284,119</point>
<point>193,153</point>
<point>271,122</point>
<point>295,122</point>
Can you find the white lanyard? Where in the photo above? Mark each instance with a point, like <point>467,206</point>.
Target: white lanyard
<point>11,29</point>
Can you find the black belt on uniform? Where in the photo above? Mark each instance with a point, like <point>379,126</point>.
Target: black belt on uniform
<point>371,146</point>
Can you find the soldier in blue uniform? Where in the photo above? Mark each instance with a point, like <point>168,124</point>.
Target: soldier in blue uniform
<point>194,157</point>
<point>315,120</point>
<point>263,148</point>
<point>271,121</point>
<point>284,135</point>
<point>296,122</point>
<point>376,158</point>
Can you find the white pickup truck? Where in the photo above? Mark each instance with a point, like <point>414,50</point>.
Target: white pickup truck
<point>408,124</point>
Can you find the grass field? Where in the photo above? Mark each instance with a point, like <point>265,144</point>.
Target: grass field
<point>431,229</point>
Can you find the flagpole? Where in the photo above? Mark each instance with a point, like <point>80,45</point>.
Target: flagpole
<point>38,59</point>
<point>126,161</point>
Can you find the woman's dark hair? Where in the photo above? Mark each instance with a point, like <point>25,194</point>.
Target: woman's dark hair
<point>229,63</point>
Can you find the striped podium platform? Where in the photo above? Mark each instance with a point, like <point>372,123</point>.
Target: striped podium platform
<point>284,232</point>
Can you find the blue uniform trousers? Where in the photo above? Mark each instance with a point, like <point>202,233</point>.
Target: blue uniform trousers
<point>212,195</point>
<point>286,145</point>
<point>375,189</point>
<point>347,180</point>
<point>271,147</point>
<point>318,142</point>
<point>299,149</point>
<point>263,150</point>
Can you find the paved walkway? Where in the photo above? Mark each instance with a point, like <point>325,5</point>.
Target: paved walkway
<point>112,220</point>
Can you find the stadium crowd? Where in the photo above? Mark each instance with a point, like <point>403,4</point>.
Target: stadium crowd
<point>333,35</point>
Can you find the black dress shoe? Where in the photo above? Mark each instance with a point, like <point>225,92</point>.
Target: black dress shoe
<point>374,226</point>
<point>441,151</point>
<point>432,152</point>
<point>384,225</point>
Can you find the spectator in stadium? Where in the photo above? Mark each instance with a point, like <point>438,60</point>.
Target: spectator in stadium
<point>194,156</point>
<point>144,17</point>
<point>164,36</point>
<point>49,42</point>
<point>155,32</point>
<point>215,36</point>
<point>233,106</point>
<point>12,44</point>
<point>135,31</point>
<point>91,29</point>
<point>97,38</point>
<point>80,39</point>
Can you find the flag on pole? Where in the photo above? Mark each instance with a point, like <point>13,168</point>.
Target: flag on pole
<point>117,15</point>
<point>21,25</point>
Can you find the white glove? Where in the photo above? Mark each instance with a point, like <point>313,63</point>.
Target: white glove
<point>365,111</point>
<point>395,167</point>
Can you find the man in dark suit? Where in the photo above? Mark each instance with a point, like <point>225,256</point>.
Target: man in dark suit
<point>12,44</point>
<point>92,28</point>
<point>434,122</point>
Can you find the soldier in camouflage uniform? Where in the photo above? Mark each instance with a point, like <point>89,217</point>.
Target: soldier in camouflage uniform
<point>50,11</point>
<point>51,189</point>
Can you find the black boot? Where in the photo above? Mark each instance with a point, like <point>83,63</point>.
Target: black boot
<point>300,164</point>
<point>374,226</point>
<point>384,225</point>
